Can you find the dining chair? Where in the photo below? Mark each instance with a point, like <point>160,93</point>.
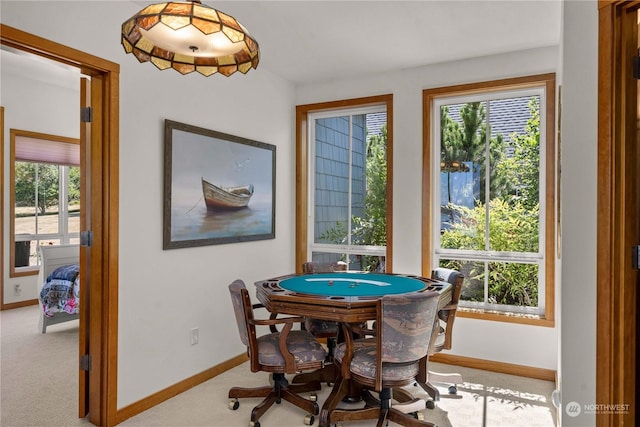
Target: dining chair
<point>322,329</point>
<point>318,327</point>
<point>443,340</point>
<point>285,352</point>
<point>387,361</point>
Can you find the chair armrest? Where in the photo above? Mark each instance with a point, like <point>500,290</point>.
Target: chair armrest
<point>362,331</point>
<point>274,320</point>
<point>288,323</point>
<point>278,321</point>
<point>347,332</point>
<point>272,326</point>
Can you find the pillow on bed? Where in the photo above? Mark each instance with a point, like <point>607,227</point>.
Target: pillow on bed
<point>66,272</point>
<point>60,291</point>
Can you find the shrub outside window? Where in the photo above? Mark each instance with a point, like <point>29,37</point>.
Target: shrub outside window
<point>492,193</point>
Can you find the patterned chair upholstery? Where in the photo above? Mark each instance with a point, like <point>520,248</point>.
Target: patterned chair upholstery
<point>303,352</point>
<point>391,359</point>
<point>442,341</point>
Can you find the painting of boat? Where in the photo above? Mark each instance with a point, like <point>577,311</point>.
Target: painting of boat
<point>225,198</point>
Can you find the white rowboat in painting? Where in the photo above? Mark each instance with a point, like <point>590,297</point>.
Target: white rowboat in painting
<point>225,198</point>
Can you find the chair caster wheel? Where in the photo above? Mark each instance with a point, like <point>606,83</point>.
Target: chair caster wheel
<point>309,420</point>
<point>418,416</point>
<point>431,404</point>
<point>254,424</point>
<point>453,389</point>
<point>234,404</point>
<point>314,398</point>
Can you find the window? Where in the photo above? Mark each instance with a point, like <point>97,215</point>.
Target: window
<point>344,173</point>
<point>45,201</point>
<point>491,169</point>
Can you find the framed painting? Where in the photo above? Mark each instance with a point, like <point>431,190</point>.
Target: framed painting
<point>218,188</point>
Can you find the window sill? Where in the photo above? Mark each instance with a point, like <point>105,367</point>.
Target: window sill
<point>25,271</point>
<point>498,316</point>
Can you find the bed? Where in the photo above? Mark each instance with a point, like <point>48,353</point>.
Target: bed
<point>58,284</point>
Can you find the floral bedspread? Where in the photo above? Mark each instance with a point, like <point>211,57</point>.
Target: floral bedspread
<point>61,291</point>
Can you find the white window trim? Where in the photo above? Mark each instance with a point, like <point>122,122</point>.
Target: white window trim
<point>481,256</point>
<point>312,247</point>
<point>63,213</point>
<point>59,151</point>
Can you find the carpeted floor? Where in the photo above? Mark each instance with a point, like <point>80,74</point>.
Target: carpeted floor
<point>38,388</point>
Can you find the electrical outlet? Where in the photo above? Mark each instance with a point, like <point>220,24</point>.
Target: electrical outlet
<point>195,336</point>
<point>17,289</point>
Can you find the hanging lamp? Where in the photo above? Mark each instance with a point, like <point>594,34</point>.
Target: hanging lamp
<point>189,36</point>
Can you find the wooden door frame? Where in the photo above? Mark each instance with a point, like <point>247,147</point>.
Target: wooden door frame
<point>617,212</point>
<point>103,319</point>
<point>2,204</point>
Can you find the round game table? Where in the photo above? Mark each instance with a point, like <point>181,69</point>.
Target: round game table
<point>347,297</point>
<point>341,296</point>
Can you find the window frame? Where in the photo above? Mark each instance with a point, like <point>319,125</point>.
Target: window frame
<point>63,233</point>
<point>304,181</point>
<point>430,196</point>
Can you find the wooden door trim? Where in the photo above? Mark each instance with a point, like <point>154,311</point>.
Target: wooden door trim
<point>616,324</point>
<point>83,332</point>
<point>104,209</point>
<point>2,205</point>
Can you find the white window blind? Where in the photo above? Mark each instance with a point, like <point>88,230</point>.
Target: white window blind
<point>38,150</point>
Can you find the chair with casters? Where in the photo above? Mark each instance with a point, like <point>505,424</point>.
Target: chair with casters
<point>286,352</point>
<point>443,339</point>
<point>382,364</point>
<point>322,329</point>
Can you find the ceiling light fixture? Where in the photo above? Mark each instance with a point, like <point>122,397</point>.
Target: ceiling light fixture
<point>453,166</point>
<point>188,36</point>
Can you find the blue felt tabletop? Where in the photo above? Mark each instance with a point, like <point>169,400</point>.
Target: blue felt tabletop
<point>352,284</point>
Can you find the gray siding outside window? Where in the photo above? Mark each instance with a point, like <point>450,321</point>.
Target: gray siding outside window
<point>332,172</point>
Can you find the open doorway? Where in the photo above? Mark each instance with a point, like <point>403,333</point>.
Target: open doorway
<point>99,216</point>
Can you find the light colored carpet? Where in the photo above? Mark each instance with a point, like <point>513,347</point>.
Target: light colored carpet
<point>39,389</point>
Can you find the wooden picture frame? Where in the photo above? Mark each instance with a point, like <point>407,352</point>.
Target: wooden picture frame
<point>218,188</point>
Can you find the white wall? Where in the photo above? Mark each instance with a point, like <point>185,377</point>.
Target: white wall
<point>163,294</point>
<point>579,214</point>
<point>488,340</point>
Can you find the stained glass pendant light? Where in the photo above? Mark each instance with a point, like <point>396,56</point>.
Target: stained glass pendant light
<point>188,36</point>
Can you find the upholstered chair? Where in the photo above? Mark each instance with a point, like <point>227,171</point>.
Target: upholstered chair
<point>322,329</point>
<point>389,360</point>
<point>318,327</point>
<point>286,352</point>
